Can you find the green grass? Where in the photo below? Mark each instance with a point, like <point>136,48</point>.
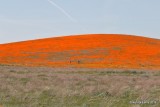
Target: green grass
<point>125,72</point>
<point>46,99</point>
<point>25,80</point>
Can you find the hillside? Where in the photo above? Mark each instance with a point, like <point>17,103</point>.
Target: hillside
<point>92,50</point>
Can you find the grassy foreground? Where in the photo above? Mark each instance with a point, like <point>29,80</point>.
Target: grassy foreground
<point>46,87</point>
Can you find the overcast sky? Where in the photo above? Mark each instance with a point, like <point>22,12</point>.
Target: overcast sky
<point>32,19</point>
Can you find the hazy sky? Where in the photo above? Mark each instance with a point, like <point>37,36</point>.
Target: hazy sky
<point>32,19</point>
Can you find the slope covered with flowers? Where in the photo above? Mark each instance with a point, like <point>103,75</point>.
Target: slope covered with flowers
<point>92,50</point>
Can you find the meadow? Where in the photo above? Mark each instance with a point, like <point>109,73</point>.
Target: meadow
<point>78,87</point>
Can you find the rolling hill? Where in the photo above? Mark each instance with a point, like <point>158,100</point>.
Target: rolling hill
<point>91,50</point>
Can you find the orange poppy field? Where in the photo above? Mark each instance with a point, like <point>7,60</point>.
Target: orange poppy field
<point>85,51</point>
<point>92,70</point>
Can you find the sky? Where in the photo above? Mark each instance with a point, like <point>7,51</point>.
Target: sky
<point>32,19</point>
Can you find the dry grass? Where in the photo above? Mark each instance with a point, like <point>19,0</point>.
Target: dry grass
<point>61,87</point>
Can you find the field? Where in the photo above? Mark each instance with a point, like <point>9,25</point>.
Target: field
<point>78,87</point>
<point>87,51</point>
<point>76,71</point>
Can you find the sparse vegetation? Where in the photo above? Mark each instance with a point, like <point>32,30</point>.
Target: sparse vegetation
<point>61,87</point>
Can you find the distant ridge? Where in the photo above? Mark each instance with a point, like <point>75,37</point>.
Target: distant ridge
<point>90,50</point>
